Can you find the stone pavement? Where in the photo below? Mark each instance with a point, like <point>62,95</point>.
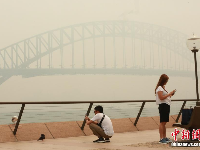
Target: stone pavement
<point>137,140</point>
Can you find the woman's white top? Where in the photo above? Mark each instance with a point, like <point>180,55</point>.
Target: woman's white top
<point>167,100</point>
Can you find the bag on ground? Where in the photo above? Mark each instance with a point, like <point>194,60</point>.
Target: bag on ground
<point>186,115</point>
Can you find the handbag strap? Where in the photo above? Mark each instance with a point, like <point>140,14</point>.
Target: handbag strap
<point>102,119</point>
<point>164,89</point>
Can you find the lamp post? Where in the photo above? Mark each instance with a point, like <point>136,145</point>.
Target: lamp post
<point>194,45</point>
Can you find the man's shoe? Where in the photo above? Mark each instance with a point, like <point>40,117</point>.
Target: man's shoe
<point>101,140</point>
<point>95,141</point>
<point>168,140</point>
<point>107,140</point>
<point>163,141</point>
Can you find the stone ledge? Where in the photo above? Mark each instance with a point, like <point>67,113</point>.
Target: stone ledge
<point>6,134</point>
<point>64,129</point>
<point>86,130</point>
<point>168,125</point>
<point>145,123</point>
<point>123,125</point>
<point>32,131</point>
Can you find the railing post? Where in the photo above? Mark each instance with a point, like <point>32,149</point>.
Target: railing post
<point>87,114</point>
<point>138,116</point>
<point>179,114</point>
<point>19,118</point>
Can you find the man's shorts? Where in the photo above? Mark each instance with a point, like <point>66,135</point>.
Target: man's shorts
<point>164,110</point>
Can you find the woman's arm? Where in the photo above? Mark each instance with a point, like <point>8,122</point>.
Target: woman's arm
<point>162,97</point>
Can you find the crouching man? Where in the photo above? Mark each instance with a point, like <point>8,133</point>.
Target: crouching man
<point>100,125</point>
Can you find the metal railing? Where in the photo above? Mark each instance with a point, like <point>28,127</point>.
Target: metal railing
<point>90,107</point>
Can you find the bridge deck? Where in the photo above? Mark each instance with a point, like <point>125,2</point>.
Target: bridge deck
<point>132,71</point>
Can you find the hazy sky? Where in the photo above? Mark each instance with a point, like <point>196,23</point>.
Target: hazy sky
<point>20,19</point>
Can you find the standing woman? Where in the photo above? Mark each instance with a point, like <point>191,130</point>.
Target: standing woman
<point>163,99</point>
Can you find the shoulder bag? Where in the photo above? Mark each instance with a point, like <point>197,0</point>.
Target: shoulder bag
<point>99,124</point>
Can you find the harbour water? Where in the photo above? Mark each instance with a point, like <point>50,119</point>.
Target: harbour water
<point>88,88</point>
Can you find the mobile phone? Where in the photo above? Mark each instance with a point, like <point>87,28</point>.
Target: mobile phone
<point>174,92</point>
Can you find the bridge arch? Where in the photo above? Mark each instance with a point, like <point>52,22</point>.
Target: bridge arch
<point>23,53</point>
<point>162,36</point>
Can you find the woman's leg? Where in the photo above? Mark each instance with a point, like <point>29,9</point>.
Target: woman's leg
<point>164,110</point>
<point>162,130</point>
<point>167,111</point>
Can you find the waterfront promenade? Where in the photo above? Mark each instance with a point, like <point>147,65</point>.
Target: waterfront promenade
<point>69,136</point>
<point>137,140</point>
<point>54,130</point>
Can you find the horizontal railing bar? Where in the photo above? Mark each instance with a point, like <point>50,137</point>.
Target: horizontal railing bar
<point>79,102</point>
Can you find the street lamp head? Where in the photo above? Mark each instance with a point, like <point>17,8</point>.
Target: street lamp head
<point>193,44</point>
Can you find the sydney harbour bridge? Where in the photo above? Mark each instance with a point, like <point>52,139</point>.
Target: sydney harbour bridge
<point>104,47</point>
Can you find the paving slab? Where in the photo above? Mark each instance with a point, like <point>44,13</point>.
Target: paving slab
<point>64,129</point>
<point>175,116</point>
<point>123,125</point>
<point>145,123</point>
<point>6,135</point>
<point>31,131</point>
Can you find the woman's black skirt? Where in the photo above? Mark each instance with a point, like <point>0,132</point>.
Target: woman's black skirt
<point>164,110</point>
